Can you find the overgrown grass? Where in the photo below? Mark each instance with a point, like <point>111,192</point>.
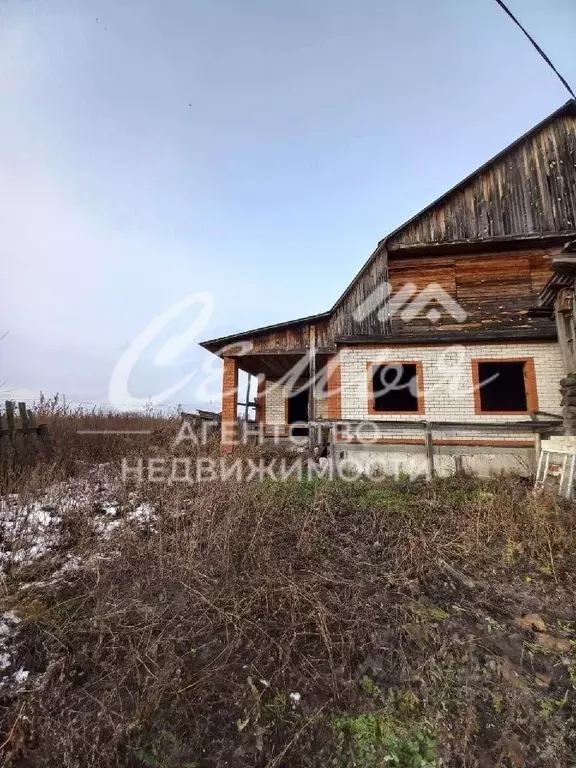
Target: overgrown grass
<point>296,624</point>
<point>81,438</point>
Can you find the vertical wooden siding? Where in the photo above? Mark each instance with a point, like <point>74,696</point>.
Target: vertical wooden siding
<point>531,190</point>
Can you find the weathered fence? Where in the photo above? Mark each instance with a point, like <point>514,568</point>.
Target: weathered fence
<point>22,440</point>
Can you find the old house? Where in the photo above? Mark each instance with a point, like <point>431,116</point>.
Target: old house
<point>442,347</point>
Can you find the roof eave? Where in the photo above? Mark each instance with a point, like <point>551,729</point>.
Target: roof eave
<point>215,345</point>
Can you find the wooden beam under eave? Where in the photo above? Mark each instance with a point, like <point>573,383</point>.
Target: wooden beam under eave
<point>541,332</point>
<point>506,242</point>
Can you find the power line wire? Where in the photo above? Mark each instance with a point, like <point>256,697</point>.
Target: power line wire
<point>535,44</point>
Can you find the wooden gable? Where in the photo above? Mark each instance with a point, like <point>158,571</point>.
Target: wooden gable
<point>487,243</point>
<point>529,189</point>
<point>526,194</point>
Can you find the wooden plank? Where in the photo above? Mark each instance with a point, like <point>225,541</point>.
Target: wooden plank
<point>421,277</point>
<point>473,245</point>
<point>566,348</point>
<point>10,418</point>
<point>23,414</point>
<point>312,390</point>
<point>545,331</point>
<point>493,267</point>
<point>521,426</point>
<point>4,439</point>
<point>29,432</point>
<point>429,452</point>
<point>247,401</point>
<point>540,271</point>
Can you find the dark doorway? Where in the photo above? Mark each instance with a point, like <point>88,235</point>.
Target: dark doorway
<point>298,411</point>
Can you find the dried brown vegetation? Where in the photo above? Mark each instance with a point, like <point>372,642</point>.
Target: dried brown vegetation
<point>291,624</point>
<point>82,437</point>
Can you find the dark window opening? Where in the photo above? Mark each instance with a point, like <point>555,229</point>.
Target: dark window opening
<point>298,411</point>
<point>395,388</point>
<point>502,387</point>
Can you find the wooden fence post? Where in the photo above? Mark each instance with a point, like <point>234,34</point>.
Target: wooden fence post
<point>10,419</point>
<point>429,453</point>
<point>21,442</point>
<point>23,415</point>
<point>4,438</point>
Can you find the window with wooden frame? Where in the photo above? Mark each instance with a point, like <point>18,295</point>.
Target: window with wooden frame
<point>395,387</point>
<point>504,386</point>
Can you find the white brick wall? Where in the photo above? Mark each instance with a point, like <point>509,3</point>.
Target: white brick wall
<point>448,385</point>
<point>275,404</point>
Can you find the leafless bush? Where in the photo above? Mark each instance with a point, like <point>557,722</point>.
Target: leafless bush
<point>81,437</point>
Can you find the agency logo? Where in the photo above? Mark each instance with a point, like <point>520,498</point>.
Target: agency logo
<point>409,303</point>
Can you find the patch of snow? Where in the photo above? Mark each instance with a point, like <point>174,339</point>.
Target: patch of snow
<point>28,531</point>
<point>72,564</point>
<point>33,529</point>
<point>144,513</point>
<point>8,628</point>
<point>105,527</point>
<point>10,617</point>
<point>20,676</point>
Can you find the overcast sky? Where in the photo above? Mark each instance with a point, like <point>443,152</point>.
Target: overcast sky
<point>251,149</point>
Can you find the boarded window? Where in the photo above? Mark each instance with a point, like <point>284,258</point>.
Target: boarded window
<point>502,386</point>
<point>395,388</point>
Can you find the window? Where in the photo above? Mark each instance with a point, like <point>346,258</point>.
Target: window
<point>504,386</point>
<point>395,387</point>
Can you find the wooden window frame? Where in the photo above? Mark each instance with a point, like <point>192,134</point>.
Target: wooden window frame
<point>529,383</point>
<point>395,363</point>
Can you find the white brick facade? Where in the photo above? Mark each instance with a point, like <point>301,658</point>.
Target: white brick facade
<point>448,384</point>
<point>448,388</point>
<point>275,404</point>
